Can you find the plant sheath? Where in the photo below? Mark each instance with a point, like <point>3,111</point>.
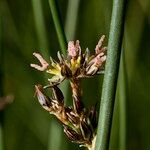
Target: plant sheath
<point>111,75</point>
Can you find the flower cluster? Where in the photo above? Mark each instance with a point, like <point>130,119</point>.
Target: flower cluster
<point>77,65</point>
<point>79,122</point>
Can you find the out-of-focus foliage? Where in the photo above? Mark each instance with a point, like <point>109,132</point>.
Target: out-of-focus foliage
<point>26,125</point>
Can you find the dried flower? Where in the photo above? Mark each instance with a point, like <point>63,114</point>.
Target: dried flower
<point>42,61</point>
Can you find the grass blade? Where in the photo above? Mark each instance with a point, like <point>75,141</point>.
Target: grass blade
<point>58,25</point>
<point>40,25</point>
<point>55,135</point>
<point>122,93</point>
<point>111,75</point>
<point>71,18</point>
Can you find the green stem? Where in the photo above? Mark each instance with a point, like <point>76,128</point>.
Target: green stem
<point>122,91</point>
<point>58,25</point>
<point>1,86</point>
<point>40,26</point>
<point>111,75</point>
<point>71,18</point>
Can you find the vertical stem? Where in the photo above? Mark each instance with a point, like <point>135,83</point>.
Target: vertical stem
<point>71,18</point>
<point>58,24</point>
<point>40,25</point>
<point>122,91</point>
<point>111,75</point>
<point>1,86</point>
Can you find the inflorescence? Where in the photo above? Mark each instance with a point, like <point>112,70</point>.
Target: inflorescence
<point>79,123</point>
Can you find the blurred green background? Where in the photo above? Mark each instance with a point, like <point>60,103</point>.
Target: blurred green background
<point>27,26</point>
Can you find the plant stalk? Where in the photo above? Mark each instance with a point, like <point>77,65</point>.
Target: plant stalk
<point>40,26</point>
<point>76,95</point>
<point>71,18</point>
<point>58,25</point>
<point>111,75</point>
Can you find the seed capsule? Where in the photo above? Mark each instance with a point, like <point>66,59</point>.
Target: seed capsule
<point>58,95</point>
<point>73,135</point>
<point>43,99</point>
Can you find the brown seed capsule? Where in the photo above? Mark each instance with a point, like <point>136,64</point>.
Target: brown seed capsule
<point>78,104</point>
<point>58,95</point>
<point>65,71</point>
<point>85,129</point>
<point>73,135</point>
<point>43,99</point>
<point>93,117</point>
<point>72,117</point>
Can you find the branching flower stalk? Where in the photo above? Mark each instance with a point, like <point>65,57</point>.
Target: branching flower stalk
<point>79,123</point>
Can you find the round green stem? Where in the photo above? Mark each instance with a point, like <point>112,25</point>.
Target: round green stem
<point>111,75</point>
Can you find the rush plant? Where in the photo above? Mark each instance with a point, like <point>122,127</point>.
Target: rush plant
<point>79,122</point>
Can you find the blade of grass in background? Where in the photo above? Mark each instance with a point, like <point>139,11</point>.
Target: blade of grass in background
<point>40,26</point>
<point>71,19</point>
<point>122,94</point>
<point>55,136</point>
<point>6,12</point>
<point>1,86</point>
<point>111,75</point>
<point>58,25</point>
